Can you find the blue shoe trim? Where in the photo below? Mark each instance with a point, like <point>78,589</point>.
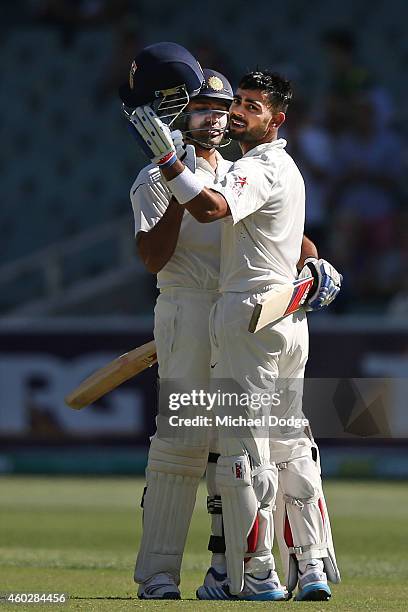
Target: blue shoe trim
<point>313,586</point>
<point>212,593</point>
<point>216,593</point>
<point>267,596</point>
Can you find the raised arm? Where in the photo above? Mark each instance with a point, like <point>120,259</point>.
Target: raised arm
<point>207,205</point>
<point>155,139</point>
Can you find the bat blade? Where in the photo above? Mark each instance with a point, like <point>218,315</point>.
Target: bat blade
<point>280,302</point>
<point>112,375</point>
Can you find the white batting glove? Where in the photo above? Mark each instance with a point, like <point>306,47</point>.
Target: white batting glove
<point>327,282</point>
<point>185,153</point>
<point>153,136</point>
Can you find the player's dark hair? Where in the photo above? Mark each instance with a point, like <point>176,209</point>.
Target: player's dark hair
<point>277,89</point>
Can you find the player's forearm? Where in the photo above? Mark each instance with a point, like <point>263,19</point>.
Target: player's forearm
<point>308,250</point>
<point>156,246</point>
<point>207,205</point>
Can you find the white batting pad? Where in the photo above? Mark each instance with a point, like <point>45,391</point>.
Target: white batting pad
<point>239,507</point>
<point>172,475</point>
<point>301,516</point>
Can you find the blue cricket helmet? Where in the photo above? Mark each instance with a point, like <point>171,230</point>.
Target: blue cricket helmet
<point>157,70</point>
<point>215,85</point>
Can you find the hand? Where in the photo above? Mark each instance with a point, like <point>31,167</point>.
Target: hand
<point>153,136</point>
<point>185,153</point>
<point>327,282</point>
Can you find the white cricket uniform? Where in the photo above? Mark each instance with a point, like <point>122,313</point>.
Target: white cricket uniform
<point>188,286</point>
<point>189,281</point>
<point>261,244</point>
<point>260,247</point>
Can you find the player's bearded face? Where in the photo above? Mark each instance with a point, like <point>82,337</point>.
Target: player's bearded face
<point>250,117</point>
<point>207,121</point>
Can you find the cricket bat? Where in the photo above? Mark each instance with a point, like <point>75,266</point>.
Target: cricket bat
<point>112,375</point>
<point>280,302</point>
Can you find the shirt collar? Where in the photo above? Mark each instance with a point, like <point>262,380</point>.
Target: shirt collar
<point>204,165</point>
<point>280,143</point>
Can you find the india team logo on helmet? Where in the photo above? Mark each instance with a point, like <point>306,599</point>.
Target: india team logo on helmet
<point>164,75</point>
<point>215,83</point>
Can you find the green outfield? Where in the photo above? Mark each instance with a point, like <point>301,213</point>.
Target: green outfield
<point>80,536</point>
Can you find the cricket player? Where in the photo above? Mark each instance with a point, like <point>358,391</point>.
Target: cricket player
<point>185,255</point>
<point>262,201</point>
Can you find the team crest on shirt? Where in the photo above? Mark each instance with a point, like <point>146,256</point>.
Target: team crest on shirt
<point>239,184</point>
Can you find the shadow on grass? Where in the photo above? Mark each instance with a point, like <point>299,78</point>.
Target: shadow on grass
<point>112,598</point>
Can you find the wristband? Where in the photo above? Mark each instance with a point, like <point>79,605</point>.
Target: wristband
<point>185,186</point>
<point>313,264</point>
<point>168,160</point>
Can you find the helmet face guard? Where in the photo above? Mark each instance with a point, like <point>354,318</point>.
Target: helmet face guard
<point>207,127</point>
<point>170,103</point>
<point>167,105</point>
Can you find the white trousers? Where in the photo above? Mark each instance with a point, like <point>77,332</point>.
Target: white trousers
<point>274,357</point>
<point>254,363</point>
<point>257,362</point>
<point>175,464</point>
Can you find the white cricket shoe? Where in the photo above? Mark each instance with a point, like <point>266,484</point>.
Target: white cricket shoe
<point>313,583</point>
<point>255,589</point>
<point>160,586</point>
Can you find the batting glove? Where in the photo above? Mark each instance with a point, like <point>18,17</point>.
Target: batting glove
<point>327,283</point>
<point>185,153</point>
<point>153,136</point>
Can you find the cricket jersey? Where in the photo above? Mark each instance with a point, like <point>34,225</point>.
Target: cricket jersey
<point>261,240</point>
<point>195,262</point>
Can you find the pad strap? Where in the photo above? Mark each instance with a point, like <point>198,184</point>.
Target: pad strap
<point>214,504</point>
<point>213,457</point>
<point>217,544</point>
<point>321,551</point>
<point>300,503</point>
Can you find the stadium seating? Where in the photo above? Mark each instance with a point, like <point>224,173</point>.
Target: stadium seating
<point>67,161</point>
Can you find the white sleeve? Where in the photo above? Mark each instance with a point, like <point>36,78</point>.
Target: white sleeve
<point>149,196</point>
<point>248,186</point>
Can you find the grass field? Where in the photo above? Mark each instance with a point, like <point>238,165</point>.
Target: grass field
<point>80,536</point>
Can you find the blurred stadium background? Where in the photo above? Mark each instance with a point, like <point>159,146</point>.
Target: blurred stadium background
<point>72,293</point>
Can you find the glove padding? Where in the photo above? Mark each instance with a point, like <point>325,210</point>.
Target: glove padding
<point>153,136</point>
<point>327,282</point>
<point>185,153</point>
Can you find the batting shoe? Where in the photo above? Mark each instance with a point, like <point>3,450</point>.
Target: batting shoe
<point>255,589</point>
<point>213,578</point>
<point>313,583</point>
<point>160,586</point>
